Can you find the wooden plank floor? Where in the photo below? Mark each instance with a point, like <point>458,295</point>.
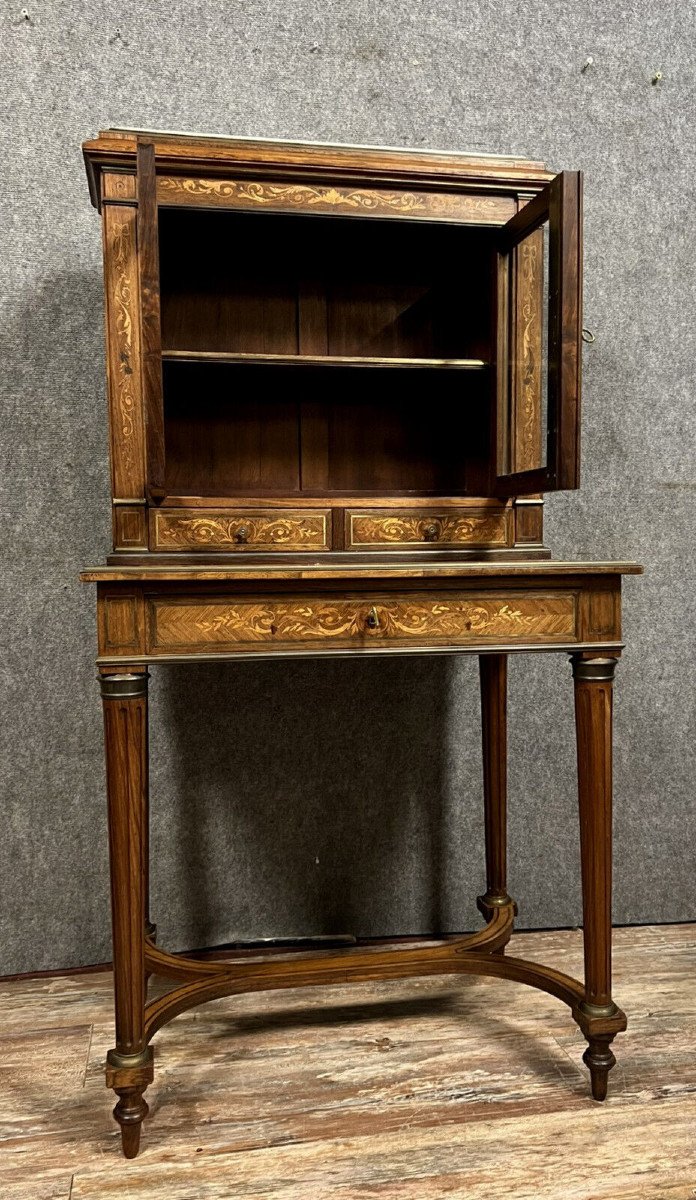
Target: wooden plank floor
<point>456,1087</point>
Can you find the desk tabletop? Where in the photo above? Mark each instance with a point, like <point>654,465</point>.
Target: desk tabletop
<point>348,568</point>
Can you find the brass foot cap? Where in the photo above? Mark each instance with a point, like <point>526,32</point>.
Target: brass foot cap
<point>130,1070</point>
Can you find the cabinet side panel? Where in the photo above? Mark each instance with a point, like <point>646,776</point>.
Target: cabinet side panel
<point>123,352</point>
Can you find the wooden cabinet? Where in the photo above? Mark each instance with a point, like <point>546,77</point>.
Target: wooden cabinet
<point>341,381</point>
<point>357,332</point>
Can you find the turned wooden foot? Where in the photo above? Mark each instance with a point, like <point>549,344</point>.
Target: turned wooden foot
<point>130,1113</point>
<point>599,1058</point>
<point>129,1075</point>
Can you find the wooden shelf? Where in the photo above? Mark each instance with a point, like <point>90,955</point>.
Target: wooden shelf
<point>323,360</point>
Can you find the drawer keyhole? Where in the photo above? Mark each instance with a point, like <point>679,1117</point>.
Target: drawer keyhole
<point>373,618</point>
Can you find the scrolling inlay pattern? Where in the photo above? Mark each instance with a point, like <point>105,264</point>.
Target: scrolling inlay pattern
<point>474,528</point>
<point>487,210</point>
<point>287,531</point>
<point>530,255</point>
<point>123,255</point>
<point>443,618</point>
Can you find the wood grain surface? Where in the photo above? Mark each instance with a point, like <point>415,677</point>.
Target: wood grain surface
<point>436,1087</point>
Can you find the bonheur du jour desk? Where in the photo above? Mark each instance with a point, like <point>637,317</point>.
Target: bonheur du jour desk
<point>340,381</point>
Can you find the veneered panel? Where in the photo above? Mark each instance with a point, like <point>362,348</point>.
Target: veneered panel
<point>123,352</point>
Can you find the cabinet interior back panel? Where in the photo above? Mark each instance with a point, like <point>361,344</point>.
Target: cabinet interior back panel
<point>276,284</point>
<point>236,427</point>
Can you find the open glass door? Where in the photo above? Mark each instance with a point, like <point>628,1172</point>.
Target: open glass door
<point>150,324</point>
<point>539,324</point>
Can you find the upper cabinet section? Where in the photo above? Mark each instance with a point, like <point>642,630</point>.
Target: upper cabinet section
<point>317,325</point>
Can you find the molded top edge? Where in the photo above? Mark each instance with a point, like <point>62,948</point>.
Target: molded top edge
<point>185,136</point>
<point>395,166</point>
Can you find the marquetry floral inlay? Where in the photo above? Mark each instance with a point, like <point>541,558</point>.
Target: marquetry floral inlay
<point>239,193</point>
<point>296,531</point>
<point>434,619</point>
<point>530,334</point>
<point>478,528</point>
<point>123,256</point>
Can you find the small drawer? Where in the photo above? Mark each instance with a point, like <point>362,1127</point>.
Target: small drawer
<point>240,529</point>
<point>375,529</point>
<point>319,623</point>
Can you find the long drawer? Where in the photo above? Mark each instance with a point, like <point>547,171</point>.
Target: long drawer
<point>240,529</point>
<point>190,624</point>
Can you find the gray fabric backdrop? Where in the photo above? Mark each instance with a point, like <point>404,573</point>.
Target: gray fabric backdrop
<point>345,795</point>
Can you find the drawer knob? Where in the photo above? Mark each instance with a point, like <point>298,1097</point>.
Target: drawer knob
<point>431,532</point>
<point>242,534</point>
<point>373,618</point>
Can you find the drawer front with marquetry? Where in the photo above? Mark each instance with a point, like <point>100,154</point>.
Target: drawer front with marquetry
<point>417,620</point>
<point>377,529</point>
<point>240,529</point>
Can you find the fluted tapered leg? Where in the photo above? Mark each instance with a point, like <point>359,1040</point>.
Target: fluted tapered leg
<point>129,1064</point>
<point>593,717</point>
<point>493,679</point>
